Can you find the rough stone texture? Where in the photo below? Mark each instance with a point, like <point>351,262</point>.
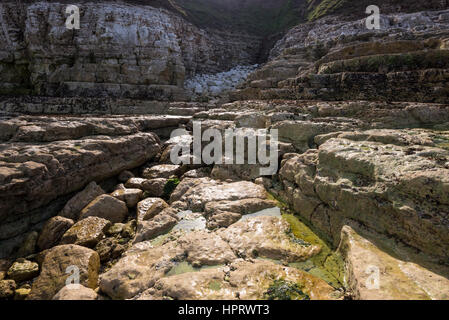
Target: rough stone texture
<point>53,231</point>
<point>336,59</point>
<point>130,196</point>
<point>23,270</point>
<point>266,237</point>
<point>390,184</point>
<point>149,208</point>
<point>121,50</point>
<point>87,232</point>
<point>7,288</point>
<point>75,292</point>
<point>74,206</point>
<point>149,229</point>
<point>161,171</point>
<point>56,261</point>
<point>154,187</point>
<point>106,207</point>
<point>35,177</point>
<point>242,280</point>
<point>194,194</point>
<point>399,279</point>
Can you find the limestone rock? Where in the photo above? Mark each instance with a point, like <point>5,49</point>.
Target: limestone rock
<point>242,280</point>
<point>53,231</point>
<point>392,188</point>
<point>149,208</point>
<point>7,288</point>
<point>55,270</point>
<point>87,232</point>
<point>130,196</point>
<point>135,183</point>
<point>155,187</point>
<point>149,229</point>
<point>161,171</point>
<point>266,236</point>
<point>75,292</point>
<point>373,274</point>
<point>74,206</point>
<point>139,268</point>
<point>23,270</point>
<point>194,194</point>
<point>106,207</point>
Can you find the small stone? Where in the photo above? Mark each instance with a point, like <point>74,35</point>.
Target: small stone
<point>87,232</point>
<point>7,288</point>
<point>161,171</point>
<point>106,207</point>
<point>155,187</point>
<point>129,229</point>
<point>23,270</point>
<point>53,231</point>
<point>150,207</point>
<point>135,183</point>
<point>116,228</point>
<point>22,293</point>
<point>125,176</point>
<point>147,230</point>
<point>130,196</point>
<point>105,247</point>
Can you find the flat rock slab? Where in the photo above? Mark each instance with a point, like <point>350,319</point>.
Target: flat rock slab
<point>266,236</point>
<point>373,274</point>
<point>241,280</point>
<point>194,194</point>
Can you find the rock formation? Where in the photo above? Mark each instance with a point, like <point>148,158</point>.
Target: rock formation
<point>357,208</point>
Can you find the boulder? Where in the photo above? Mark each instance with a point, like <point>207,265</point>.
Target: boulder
<point>87,232</point>
<point>130,196</point>
<point>149,208</point>
<point>373,274</point>
<point>149,229</point>
<point>74,206</point>
<point>23,270</point>
<point>58,264</point>
<point>135,183</point>
<point>53,231</point>
<point>154,187</point>
<point>106,207</point>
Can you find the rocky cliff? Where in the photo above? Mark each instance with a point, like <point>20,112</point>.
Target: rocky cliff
<point>120,51</point>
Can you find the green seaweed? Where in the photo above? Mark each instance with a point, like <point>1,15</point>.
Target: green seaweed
<point>285,290</point>
<point>169,187</point>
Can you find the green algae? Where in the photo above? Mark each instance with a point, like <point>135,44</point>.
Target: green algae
<point>169,187</point>
<point>180,268</point>
<point>215,285</point>
<point>285,290</point>
<point>328,264</point>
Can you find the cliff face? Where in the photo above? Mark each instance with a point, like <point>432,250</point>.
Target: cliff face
<point>120,50</point>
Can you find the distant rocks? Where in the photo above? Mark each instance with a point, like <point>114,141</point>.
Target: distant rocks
<point>205,86</point>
